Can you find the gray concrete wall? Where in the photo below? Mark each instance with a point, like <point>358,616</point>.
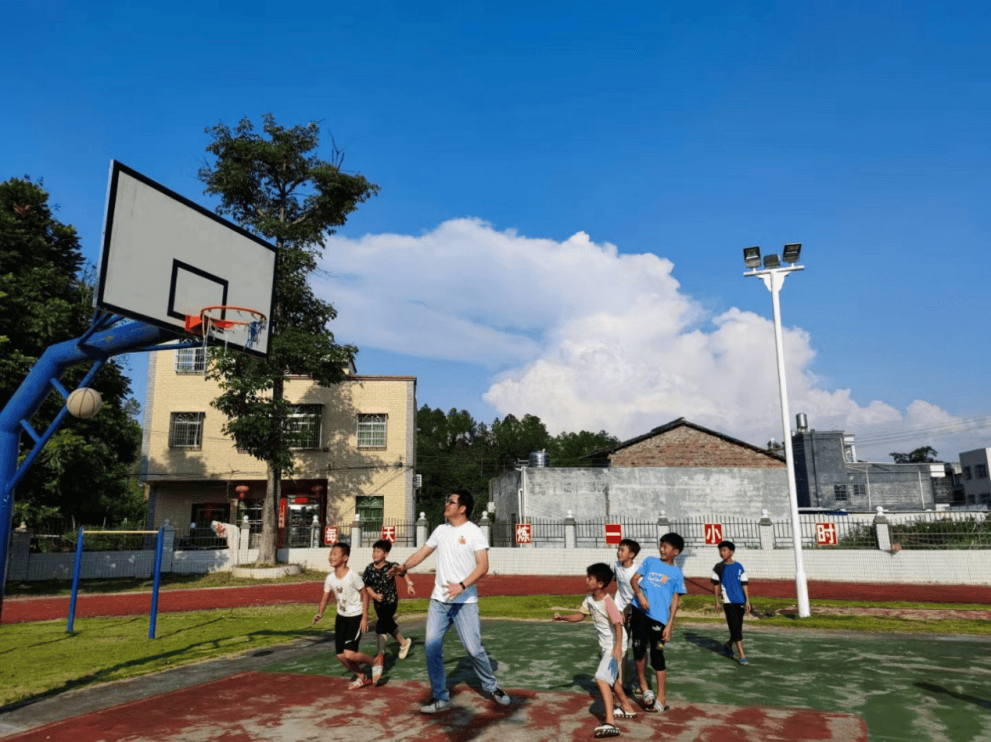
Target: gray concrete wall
<point>644,492</point>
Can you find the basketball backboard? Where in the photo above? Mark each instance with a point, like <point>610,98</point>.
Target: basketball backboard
<point>165,258</point>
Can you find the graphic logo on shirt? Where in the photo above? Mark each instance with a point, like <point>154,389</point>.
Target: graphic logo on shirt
<point>340,589</point>
<point>655,578</point>
<point>461,540</point>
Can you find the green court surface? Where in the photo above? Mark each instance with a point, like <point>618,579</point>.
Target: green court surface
<point>906,688</point>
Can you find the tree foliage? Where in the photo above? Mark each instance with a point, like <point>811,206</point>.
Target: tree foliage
<point>454,450</point>
<point>923,455</point>
<point>275,185</point>
<point>85,472</point>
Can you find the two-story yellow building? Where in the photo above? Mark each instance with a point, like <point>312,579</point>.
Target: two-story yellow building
<point>359,453</point>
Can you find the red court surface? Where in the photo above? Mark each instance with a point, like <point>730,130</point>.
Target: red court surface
<point>254,706</point>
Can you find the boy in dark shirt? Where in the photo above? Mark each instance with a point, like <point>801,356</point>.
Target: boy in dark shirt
<point>382,590</point>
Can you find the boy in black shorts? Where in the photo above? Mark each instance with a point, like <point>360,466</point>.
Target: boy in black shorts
<point>345,586</point>
<point>382,589</point>
<point>657,588</point>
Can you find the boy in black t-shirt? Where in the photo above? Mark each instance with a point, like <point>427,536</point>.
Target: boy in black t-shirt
<point>382,589</point>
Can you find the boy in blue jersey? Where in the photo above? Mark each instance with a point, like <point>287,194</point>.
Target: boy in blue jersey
<point>729,581</point>
<point>657,588</point>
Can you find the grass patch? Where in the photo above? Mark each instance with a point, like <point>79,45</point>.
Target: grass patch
<point>41,659</point>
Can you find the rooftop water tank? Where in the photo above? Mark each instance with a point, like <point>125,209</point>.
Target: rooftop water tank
<point>539,459</point>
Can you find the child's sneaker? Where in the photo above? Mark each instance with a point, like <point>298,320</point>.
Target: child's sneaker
<point>743,661</point>
<point>404,648</point>
<point>500,696</point>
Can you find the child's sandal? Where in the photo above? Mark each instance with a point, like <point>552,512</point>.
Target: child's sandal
<point>606,730</point>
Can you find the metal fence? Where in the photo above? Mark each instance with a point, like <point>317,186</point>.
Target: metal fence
<point>700,530</point>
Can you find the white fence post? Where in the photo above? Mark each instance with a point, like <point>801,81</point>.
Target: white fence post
<point>485,526</point>
<point>168,546</point>
<point>356,531</point>
<point>315,532</point>
<point>245,541</point>
<point>570,532</point>
<point>663,527</point>
<point>883,529</point>
<point>421,530</point>
<point>766,531</point>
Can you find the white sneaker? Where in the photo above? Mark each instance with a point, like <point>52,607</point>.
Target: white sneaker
<point>435,706</point>
<point>500,697</point>
<point>404,648</point>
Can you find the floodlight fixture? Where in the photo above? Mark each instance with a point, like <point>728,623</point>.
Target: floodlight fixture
<point>751,257</point>
<point>791,252</point>
<point>772,261</point>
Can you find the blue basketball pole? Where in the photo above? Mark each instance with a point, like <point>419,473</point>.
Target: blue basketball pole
<point>75,581</point>
<point>158,581</point>
<point>102,341</point>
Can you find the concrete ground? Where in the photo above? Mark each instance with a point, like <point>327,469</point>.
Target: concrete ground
<point>800,685</point>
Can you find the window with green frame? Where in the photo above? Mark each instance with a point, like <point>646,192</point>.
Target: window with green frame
<point>371,510</point>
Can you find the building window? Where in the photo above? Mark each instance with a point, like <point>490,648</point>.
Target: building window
<point>303,425</point>
<point>840,493</point>
<point>186,430</point>
<point>371,510</point>
<point>190,361</point>
<point>859,490</point>
<point>966,473</point>
<point>371,431</point>
<point>980,471</point>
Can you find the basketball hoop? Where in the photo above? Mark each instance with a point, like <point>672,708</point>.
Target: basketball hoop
<point>230,323</point>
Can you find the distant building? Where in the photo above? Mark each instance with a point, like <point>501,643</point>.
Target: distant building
<point>974,476</point>
<point>681,468</point>
<point>357,454</point>
<point>828,475</point>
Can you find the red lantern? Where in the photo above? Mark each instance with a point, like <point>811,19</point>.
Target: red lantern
<point>242,491</point>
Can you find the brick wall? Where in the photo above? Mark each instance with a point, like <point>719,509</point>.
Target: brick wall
<point>687,447</point>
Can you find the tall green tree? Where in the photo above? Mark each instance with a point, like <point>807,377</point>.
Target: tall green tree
<point>453,450</point>
<point>923,455</point>
<point>275,185</point>
<point>84,475</point>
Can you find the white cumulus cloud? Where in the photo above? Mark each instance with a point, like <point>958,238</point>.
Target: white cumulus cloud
<point>588,338</point>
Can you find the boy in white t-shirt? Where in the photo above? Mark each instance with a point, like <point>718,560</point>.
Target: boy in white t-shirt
<point>346,587</point>
<point>625,568</point>
<point>608,623</point>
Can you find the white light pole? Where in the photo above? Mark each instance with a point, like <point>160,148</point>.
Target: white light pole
<point>773,275</point>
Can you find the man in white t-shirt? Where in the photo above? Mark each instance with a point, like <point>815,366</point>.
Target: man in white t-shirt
<point>462,560</point>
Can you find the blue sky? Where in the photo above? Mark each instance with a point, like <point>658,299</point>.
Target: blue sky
<point>567,187</point>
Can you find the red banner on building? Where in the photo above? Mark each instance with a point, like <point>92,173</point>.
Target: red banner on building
<point>330,535</point>
<point>826,534</point>
<point>614,533</point>
<point>524,533</point>
<point>713,533</point>
<point>389,534</point>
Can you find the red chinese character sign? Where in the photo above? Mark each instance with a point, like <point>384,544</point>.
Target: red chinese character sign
<point>389,534</point>
<point>614,533</point>
<point>524,533</point>
<point>713,533</point>
<point>826,534</point>
<point>330,535</point>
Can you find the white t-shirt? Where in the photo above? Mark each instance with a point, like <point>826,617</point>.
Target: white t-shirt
<point>347,592</point>
<point>624,588</point>
<point>604,614</point>
<point>456,559</point>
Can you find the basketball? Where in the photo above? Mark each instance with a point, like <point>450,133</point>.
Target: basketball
<point>84,403</point>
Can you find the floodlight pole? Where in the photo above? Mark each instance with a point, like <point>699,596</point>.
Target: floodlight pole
<point>774,279</point>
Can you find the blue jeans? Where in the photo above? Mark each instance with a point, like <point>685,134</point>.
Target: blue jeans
<point>464,616</point>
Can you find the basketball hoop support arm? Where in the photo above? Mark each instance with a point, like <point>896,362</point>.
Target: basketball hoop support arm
<point>101,342</point>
